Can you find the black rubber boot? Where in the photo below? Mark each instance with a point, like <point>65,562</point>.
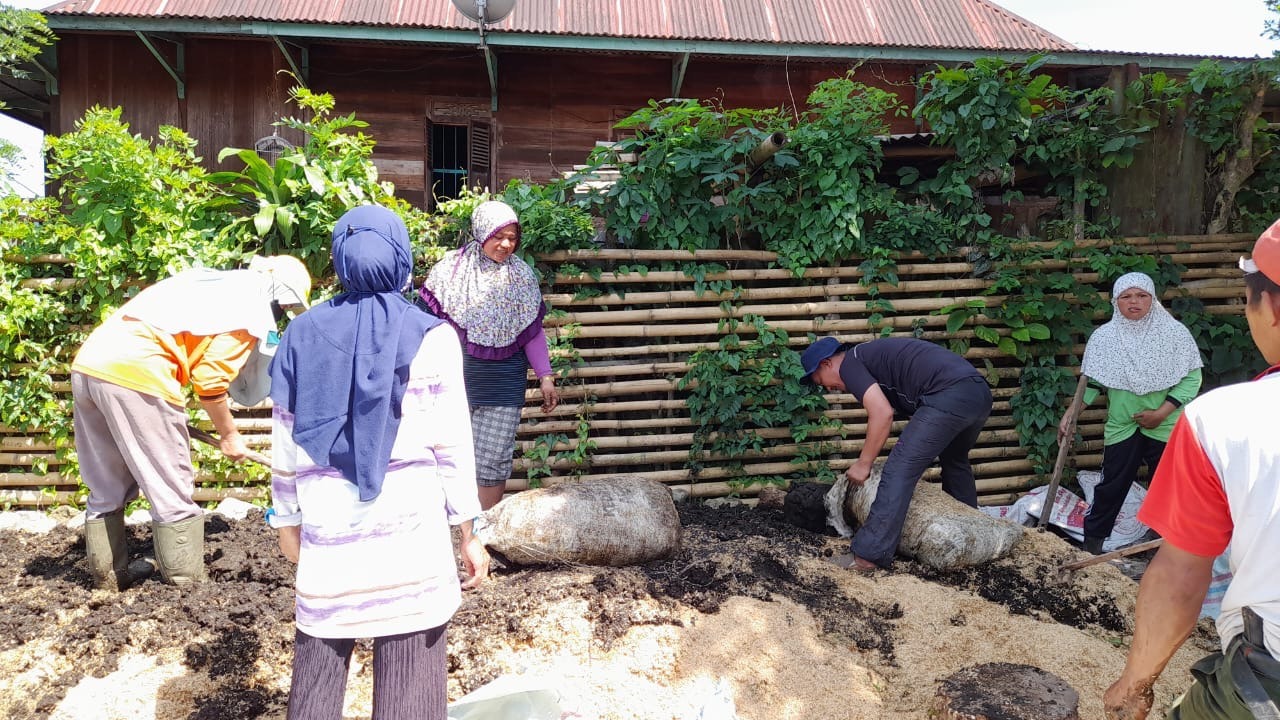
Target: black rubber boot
<point>1093,546</point>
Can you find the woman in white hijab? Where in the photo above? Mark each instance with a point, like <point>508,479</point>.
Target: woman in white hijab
<point>1149,366</point>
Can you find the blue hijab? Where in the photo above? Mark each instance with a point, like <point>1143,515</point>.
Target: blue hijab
<point>342,367</point>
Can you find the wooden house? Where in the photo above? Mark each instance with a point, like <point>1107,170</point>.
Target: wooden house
<point>529,97</point>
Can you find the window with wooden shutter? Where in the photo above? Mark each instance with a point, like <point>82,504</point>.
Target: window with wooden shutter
<point>480,164</point>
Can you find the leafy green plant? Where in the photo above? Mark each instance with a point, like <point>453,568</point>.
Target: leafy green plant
<point>1037,408</point>
<point>997,114</point>
<point>128,211</point>
<point>23,35</point>
<point>1224,340</point>
<point>825,185</point>
<point>289,206</point>
<point>687,188</point>
<point>742,387</point>
<point>1225,111</point>
<point>141,209</point>
<point>540,456</point>
<point>547,223</point>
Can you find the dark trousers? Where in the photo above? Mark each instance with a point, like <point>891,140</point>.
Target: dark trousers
<point>1120,463</point>
<point>409,675</point>
<point>945,427</point>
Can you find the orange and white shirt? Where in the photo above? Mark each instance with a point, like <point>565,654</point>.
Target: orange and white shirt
<point>130,353</point>
<point>1218,484</point>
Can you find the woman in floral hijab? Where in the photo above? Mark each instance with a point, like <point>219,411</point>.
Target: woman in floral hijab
<point>1149,366</point>
<point>491,297</point>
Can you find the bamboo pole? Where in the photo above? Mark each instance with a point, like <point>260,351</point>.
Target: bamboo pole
<point>1208,288</point>
<point>7,458</point>
<point>705,484</point>
<point>1222,254</point>
<point>629,255</point>
<point>832,447</point>
<point>999,499</point>
<point>37,259</point>
<point>686,439</point>
<point>37,498</point>
<point>906,286</point>
<point>25,443</point>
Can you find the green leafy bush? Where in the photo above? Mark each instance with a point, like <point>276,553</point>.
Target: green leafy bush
<point>141,209</point>
<point>289,206</point>
<point>687,187</point>
<point>547,223</point>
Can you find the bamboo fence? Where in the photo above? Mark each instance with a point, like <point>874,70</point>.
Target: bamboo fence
<point>632,335</point>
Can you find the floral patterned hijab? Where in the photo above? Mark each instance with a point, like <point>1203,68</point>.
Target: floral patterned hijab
<point>496,307</point>
<point>1141,356</point>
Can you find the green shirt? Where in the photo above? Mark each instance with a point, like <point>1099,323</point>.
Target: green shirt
<point>1122,405</point>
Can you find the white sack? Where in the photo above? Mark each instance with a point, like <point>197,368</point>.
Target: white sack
<point>616,521</point>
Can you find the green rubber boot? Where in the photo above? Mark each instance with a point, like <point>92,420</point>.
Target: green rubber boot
<point>107,551</point>
<point>180,550</point>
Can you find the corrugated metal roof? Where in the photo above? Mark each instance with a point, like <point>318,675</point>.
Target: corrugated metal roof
<point>958,24</point>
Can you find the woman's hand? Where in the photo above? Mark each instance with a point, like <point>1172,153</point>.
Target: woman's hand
<point>290,542</point>
<point>1151,419</point>
<point>550,395</point>
<point>476,561</point>
<point>1066,427</point>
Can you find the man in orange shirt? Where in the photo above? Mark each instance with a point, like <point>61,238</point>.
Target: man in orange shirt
<point>1218,486</point>
<point>199,328</point>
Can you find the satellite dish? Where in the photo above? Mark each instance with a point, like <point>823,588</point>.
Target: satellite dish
<point>485,12</point>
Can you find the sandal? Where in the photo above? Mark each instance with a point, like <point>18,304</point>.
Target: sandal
<point>849,561</point>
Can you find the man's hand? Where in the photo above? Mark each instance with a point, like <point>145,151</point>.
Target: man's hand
<point>550,395</point>
<point>858,474</point>
<point>1128,701</point>
<point>233,446</point>
<point>476,561</point>
<point>290,542</point>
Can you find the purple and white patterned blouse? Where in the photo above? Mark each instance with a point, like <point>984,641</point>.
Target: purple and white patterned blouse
<point>385,567</point>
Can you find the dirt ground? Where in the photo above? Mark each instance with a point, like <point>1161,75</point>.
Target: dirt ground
<point>748,610</point>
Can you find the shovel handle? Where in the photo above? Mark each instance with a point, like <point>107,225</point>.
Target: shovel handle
<point>1096,559</point>
<point>1064,447</point>
<point>209,438</point>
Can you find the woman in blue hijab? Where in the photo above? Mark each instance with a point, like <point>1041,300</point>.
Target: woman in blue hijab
<point>372,463</point>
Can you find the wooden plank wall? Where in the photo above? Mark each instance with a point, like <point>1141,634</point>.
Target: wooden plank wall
<point>233,90</point>
<point>553,106</point>
<point>634,344</point>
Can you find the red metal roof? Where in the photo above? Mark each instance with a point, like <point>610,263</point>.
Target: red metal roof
<point>959,24</point>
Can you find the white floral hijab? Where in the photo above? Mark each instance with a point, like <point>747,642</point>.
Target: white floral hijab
<point>496,307</point>
<point>1141,356</point>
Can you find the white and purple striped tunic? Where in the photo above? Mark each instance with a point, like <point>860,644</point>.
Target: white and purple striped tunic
<point>385,567</point>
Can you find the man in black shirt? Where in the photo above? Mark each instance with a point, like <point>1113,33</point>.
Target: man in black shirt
<point>947,402</point>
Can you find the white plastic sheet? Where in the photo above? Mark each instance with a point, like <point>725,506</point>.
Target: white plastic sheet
<point>1070,509</point>
<point>509,697</point>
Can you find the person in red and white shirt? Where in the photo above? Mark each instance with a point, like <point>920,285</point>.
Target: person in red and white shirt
<point>1218,485</point>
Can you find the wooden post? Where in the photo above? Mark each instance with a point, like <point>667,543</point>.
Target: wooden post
<point>1064,445</point>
